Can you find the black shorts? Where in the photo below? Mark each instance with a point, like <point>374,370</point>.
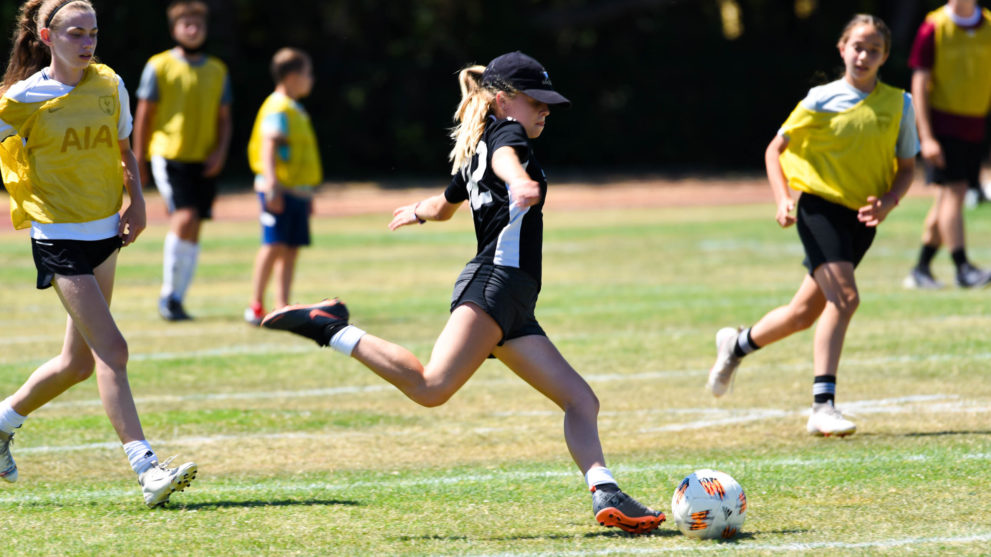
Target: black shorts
<point>963,163</point>
<point>183,185</point>
<point>70,257</point>
<point>507,294</point>
<point>831,232</point>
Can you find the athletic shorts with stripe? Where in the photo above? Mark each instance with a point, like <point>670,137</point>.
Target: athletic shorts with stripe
<point>507,294</point>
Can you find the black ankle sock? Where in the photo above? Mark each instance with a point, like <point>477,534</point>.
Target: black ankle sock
<point>959,256</point>
<point>740,351</point>
<point>824,389</point>
<point>926,255</point>
<point>607,488</point>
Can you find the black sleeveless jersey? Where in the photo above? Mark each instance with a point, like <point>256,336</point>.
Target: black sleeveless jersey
<point>506,235</point>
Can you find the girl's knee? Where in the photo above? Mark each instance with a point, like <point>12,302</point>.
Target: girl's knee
<point>804,317</point>
<point>430,397</point>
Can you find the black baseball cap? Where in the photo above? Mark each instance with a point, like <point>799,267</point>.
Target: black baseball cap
<point>526,75</point>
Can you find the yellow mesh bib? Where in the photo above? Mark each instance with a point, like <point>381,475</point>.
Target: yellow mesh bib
<point>64,163</point>
<point>303,167</point>
<point>185,124</point>
<point>961,81</point>
<point>844,157</point>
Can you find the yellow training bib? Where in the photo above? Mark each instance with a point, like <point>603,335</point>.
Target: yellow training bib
<point>844,157</point>
<point>64,164</point>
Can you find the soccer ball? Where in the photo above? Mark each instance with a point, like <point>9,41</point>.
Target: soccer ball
<point>709,504</point>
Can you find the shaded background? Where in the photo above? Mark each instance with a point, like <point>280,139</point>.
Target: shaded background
<point>657,85</point>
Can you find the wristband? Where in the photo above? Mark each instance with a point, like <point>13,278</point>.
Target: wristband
<point>415,216</point>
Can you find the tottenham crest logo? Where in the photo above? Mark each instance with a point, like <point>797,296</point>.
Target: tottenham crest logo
<point>107,104</point>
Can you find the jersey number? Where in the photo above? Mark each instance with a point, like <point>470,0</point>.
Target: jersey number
<point>478,199</point>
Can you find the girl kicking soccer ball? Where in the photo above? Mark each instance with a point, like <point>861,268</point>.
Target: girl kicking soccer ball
<point>66,158</point>
<point>504,106</point>
<point>849,147</point>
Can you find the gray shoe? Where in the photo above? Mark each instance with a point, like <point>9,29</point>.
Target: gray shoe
<point>615,508</point>
<point>8,469</point>
<point>921,279</point>
<point>159,482</point>
<point>969,276</point>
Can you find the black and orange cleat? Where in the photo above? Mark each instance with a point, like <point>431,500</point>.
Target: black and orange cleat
<point>612,507</point>
<point>318,322</point>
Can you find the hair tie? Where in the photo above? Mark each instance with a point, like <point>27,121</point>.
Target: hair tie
<point>51,16</point>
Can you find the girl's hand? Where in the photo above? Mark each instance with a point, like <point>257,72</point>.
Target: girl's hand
<point>404,216</point>
<point>877,209</point>
<point>932,152</point>
<point>275,203</point>
<point>784,216</point>
<point>132,223</point>
<point>524,193</point>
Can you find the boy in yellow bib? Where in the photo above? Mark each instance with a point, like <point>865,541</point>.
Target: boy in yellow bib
<point>284,156</point>
<point>849,148</point>
<point>183,128</point>
<point>951,88</point>
<point>66,157</point>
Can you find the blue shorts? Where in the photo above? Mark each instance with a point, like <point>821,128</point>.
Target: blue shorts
<point>290,227</point>
<point>507,294</point>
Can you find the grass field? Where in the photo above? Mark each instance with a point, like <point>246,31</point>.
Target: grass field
<point>303,452</point>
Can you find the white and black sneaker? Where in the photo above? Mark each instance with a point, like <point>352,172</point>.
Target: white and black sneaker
<point>827,421</point>
<point>159,482</point>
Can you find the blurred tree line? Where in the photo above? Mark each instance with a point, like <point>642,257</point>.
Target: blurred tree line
<point>656,85</point>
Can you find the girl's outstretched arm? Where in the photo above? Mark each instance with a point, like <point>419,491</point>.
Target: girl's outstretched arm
<point>432,208</point>
<point>779,184</point>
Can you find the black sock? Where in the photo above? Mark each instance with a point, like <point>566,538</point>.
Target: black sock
<point>926,255</point>
<point>607,488</point>
<point>744,344</point>
<point>959,256</point>
<point>824,389</point>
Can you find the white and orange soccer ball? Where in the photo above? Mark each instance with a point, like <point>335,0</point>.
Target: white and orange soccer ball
<point>709,504</point>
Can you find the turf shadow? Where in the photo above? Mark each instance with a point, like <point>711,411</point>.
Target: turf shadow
<point>206,505</point>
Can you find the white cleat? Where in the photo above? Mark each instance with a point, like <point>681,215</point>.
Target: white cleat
<point>721,374</point>
<point>160,481</point>
<point>8,469</point>
<point>827,421</point>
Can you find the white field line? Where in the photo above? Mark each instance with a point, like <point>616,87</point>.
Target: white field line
<point>773,548</point>
<point>714,417</point>
<point>507,476</point>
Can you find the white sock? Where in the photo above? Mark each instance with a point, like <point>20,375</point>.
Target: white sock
<point>9,418</point>
<point>170,264</point>
<point>189,254</point>
<point>140,455</point>
<point>598,475</point>
<point>346,339</point>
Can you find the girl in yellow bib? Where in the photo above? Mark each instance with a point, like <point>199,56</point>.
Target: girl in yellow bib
<point>849,147</point>
<point>65,154</point>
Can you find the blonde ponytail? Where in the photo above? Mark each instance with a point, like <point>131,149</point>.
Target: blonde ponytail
<point>474,108</point>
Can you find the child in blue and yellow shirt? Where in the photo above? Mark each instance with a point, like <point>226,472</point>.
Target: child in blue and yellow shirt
<point>284,156</point>
<point>849,147</point>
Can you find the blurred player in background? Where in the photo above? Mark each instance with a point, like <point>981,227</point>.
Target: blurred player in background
<point>951,88</point>
<point>66,158</point>
<point>849,147</point>
<point>284,156</point>
<point>183,127</point>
